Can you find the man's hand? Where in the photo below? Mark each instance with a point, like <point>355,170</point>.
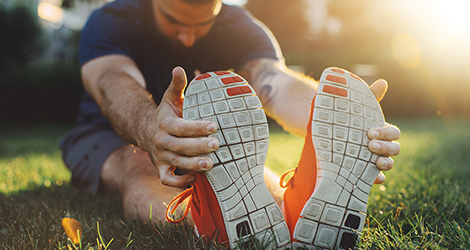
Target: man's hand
<point>383,138</point>
<point>177,143</point>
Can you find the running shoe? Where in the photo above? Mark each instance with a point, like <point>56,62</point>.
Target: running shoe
<point>231,200</point>
<point>325,202</point>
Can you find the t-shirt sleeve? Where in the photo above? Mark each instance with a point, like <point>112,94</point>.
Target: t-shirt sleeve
<point>103,35</point>
<point>248,38</point>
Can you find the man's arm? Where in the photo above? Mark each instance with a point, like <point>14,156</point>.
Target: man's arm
<point>119,90</point>
<point>118,87</point>
<point>287,96</point>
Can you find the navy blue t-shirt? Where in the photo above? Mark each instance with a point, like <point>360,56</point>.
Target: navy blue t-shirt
<point>128,27</point>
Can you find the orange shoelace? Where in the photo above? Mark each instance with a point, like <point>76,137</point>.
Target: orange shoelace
<point>282,181</point>
<point>180,198</point>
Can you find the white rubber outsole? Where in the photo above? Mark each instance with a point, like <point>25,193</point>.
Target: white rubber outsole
<point>237,176</point>
<point>345,109</point>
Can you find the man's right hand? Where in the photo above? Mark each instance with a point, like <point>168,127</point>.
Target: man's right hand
<point>177,143</point>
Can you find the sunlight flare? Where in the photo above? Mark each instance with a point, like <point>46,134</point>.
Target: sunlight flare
<point>50,12</point>
<point>406,51</point>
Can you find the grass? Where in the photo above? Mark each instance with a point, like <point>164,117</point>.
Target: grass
<point>424,204</point>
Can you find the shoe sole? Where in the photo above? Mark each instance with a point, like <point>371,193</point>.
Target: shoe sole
<point>237,175</point>
<point>345,109</point>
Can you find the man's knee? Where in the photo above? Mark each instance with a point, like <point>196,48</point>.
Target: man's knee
<point>126,163</point>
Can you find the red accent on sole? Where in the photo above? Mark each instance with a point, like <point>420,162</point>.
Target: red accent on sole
<point>203,76</point>
<point>338,71</point>
<point>335,91</point>
<point>239,90</point>
<point>336,79</point>
<point>221,73</point>
<point>233,79</point>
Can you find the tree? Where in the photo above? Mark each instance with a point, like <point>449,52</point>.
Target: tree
<point>20,36</point>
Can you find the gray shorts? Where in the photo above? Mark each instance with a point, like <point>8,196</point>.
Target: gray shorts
<point>84,150</point>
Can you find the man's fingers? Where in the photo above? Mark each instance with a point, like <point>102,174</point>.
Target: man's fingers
<point>387,133</point>
<point>384,163</point>
<point>379,88</point>
<point>167,177</point>
<point>184,128</point>
<point>380,179</point>
<point>194,164</point>
<point>192,146</point>
<point>384,148</point>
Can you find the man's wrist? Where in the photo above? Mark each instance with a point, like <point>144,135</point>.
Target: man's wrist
<point>144,132</point>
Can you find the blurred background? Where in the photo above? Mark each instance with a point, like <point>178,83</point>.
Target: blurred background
<point>421,47</point>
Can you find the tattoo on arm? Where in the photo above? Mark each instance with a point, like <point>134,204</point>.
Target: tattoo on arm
<point>265,73</point>
<point>266,94</point>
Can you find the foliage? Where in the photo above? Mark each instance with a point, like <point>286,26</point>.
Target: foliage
<point>41,93</point>
<point>20,36</point>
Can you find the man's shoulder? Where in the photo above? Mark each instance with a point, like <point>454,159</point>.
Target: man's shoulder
<point>233,13</point>
<point>114,29</point>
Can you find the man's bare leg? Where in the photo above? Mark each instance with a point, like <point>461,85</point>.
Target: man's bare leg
<point>129,172</point>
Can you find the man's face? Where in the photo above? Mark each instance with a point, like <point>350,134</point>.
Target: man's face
<point>184,22</point>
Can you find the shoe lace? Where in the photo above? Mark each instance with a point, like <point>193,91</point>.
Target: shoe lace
<point>180,198</point>
<point>290,181</point>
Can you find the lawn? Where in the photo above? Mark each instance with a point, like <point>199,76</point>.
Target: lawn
<point>423,204</point>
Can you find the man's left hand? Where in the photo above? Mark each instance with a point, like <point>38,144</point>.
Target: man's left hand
<point>383,139</point>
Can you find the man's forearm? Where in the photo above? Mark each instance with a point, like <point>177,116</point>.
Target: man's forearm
<point>128,107</point>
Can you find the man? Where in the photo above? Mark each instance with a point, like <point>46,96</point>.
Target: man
<point>130,136</point>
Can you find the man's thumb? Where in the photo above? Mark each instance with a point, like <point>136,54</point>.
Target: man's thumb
<point>379,88</point>
<point>178,83</point>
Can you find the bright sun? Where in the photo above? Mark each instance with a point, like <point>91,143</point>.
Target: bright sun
<point>448,16</point>
<point>453,16</point>
<point>434,29</point>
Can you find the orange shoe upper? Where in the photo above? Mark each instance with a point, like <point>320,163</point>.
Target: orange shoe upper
<point>300,187</point>
<point>205,210</point>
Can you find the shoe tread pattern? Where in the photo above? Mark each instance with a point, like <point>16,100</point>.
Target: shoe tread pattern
<point>237,175</point>
<point>345,109</point>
